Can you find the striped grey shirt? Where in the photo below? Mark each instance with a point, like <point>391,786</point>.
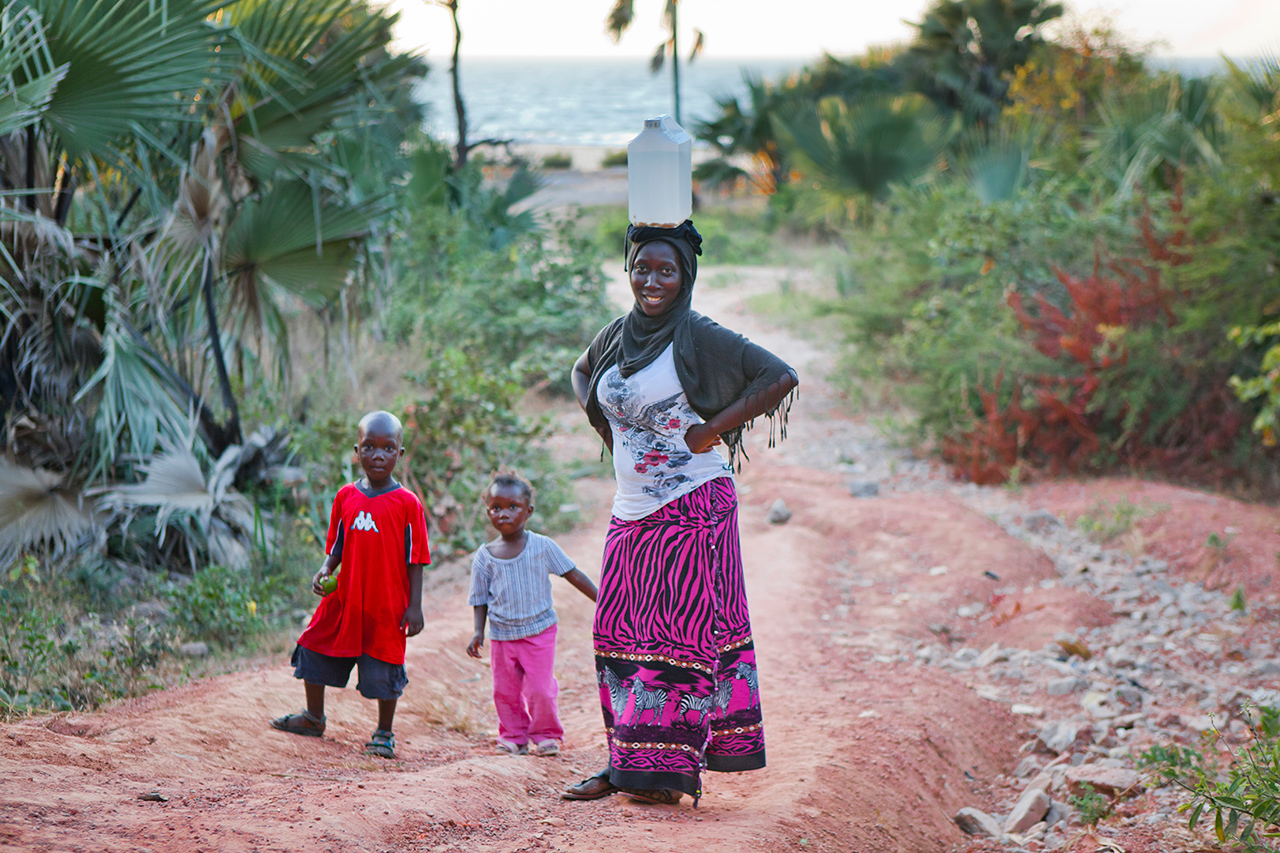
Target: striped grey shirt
<point>518,591</point>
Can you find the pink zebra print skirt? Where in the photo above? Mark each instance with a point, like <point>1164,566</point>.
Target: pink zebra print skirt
<point>674,657</point>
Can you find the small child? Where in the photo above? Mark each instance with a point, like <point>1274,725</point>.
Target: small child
<point>510,587</point>
<point>377,546</point>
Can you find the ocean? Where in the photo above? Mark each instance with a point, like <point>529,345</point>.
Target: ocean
<point>571,102</point>
<point>603,102</point>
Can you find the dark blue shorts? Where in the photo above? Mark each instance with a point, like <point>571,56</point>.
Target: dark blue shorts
<point>377,679</point>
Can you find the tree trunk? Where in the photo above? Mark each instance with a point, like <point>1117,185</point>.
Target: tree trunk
<point>675,60</point>
<point>229,433</point>
<point>459,108</point>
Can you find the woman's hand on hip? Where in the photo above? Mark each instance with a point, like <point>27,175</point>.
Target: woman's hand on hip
<point>701,438</point>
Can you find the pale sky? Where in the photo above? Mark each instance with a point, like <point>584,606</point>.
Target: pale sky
<point>799,28</point>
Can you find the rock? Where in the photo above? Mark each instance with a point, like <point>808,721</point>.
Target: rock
<point>195,649</point>
<point>1128,696</point>
<point>1201,724</point>
<point>1030,809</point>
<point>778,513</point>
<point>1101,706</point>
<point>864,490</point>
<point>975,822</point>
<point>1041,521</point>
<point>1060,736</point>
<point>1052,777</point>
<point>1027,767</point>
<point>1024,710</point>
<point>1058,812</point>
<point>1066,686</point>
<point>1108,781</point>
<point>992,654</point>
<point>150,611</point>
<point>1266,669</point>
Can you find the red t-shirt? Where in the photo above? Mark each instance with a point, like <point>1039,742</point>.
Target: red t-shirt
<point>378,537</point>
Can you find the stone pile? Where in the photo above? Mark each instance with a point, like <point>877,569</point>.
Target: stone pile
<point>1099,697</point>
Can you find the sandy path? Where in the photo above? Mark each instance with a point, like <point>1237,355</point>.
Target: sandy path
<point>868,751</point>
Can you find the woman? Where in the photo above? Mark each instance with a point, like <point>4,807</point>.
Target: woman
<point>664,385</point>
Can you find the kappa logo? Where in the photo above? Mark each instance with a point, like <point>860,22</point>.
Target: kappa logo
<point>364,521</point>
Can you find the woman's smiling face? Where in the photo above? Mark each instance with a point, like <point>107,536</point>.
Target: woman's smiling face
<point>656,278</point>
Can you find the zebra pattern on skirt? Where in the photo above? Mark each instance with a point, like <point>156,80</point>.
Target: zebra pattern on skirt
<point>674,657</point>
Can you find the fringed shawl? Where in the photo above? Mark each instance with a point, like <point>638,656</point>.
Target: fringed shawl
<point>716,367</point>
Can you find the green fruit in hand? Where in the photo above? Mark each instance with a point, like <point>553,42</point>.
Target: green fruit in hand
<point>329,583</point>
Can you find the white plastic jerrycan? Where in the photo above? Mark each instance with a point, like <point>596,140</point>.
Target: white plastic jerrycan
<point>660,174</point>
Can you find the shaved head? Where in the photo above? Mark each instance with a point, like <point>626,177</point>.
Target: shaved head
<point>382,423</point>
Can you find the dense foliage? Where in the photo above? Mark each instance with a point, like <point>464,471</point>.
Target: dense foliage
<point>222,238</point>
<point>1060,258</point>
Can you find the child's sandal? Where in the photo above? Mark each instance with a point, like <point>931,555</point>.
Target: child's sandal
<point>302,723</point>
<point>506,747</point>
<point>382,744</point>
<point>546,748</point>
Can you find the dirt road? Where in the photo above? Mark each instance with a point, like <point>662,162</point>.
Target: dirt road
<point>868,750</point>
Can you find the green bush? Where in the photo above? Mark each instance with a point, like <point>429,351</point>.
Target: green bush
<point>1242,792</point>
<point>217,604</point>
<point>614,159</point>
<point>1089,805</point>
<point>558,160</point>
<point>462,428</point>
<point>532,307</point>
<point>53,658</point>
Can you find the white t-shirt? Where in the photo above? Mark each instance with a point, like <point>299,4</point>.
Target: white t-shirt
<point>648,414</point>
<point>518,591</point>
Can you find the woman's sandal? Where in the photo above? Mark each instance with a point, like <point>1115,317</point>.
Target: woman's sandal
<point>382,744</point>
<point>656,796</point>
<point>592,788</point>
<point>302,723</point>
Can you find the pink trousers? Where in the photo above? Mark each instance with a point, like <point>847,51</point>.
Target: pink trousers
<point>525,688</point>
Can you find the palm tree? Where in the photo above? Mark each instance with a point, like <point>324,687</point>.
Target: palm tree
<point>854,151</point>
<point>169,173</point>
<point>620,18</point>
<point>964,49</point>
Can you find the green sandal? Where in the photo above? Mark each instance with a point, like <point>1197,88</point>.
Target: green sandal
<point>302,723</point>
<point>382,744</point>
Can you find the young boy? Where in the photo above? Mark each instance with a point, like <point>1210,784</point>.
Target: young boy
<point>510,588</point>
<point>377,546</point>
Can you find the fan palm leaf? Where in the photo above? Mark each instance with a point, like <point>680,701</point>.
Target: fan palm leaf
<point>997,163</point>
<point>37,510</point>
<point>1258,81</point>
<point>24,56</point>
<point>137,399</point>
<point>128,65</point>
<point>1173,123</point>
<point>176,488</point>
<point>295,238</point>
<point>854,151</point>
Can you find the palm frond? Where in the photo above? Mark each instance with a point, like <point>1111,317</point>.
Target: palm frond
<point>619,18</point>
<point>1258,80</point>
<point>38,510</point>
<point>128,64</point>
<point>24,56</point>
<point>176,488</point>
<point>294,237</point>
<point>857,149</point>
<point>138,409</point>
